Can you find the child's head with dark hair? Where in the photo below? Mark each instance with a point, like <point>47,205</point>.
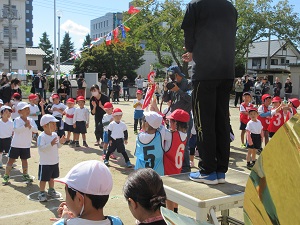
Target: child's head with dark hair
<point>179,120</point>
<point>144,191</point>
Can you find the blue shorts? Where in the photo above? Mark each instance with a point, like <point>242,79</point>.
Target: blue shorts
<point>138,114</point>
<point>105,137</point>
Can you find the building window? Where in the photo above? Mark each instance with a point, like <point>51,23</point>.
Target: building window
<point>284,62</point>
<point>13,54</point>
<point>6,32</point>
<point>27,20</point>
<point>27,2</point>
<point>27,39</point>
<point>104,24</point>
<point>256,62</point>
<point>27,11</point>
<point>274,61</point>
<point>27,30</point>
<point>31,62</point>
<point>107,23</point>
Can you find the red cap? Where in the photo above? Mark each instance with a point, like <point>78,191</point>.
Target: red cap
<point>32,96</point>
<point>139,92</point>
<point>16,95</point>
<point>295,102</point>
<point>70,100</point>
<point>252,109</point>
<point>179,115</point>
<point>80,98</point>
<point>108,105</point>
<point>117,112</point>
<point>263,98</point>
<point>276,99</point>
<point>55,96</point>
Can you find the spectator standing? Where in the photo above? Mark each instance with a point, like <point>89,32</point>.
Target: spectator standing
<point>116,89</point>
<point>209,30</point>
<point>9,89</point>
<point>125,81</point>
<point>277,86</point>
<point>46,86</point>
<point>81,86</point>
<point>104,83</point>
<point>38,83</point>
<point>257,91</point>
<point>67,85</point>
<point>247,84</point>
<point>265,86</point>
<point>288,88</point>
<point>110,86</point>
<point>238,89</point>
<point>4,80</point>
<point>139,81</point>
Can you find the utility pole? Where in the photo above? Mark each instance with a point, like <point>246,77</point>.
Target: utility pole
<point>10,18</point>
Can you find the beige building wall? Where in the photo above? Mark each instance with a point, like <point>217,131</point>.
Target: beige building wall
<point>39,63</point>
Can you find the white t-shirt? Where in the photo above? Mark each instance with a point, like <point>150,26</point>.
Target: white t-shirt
<point>255,127</point>
<point>145,138</point>
<point>80,221</point>
<point>106,118</point>
<point>60,106</point>
<point>169,139</point>
<point>81,115</point>
<point>15,113</point>
<point>34,109</point>
<point>6,129</point>
<point>23,135</point>
<point>139,107</point>
<point>48,153</point>
<point>117,129</point>
<point>69,113</point>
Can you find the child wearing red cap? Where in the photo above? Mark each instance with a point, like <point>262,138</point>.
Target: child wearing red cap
<point>107,118</point>
<point>244,118</point>
<point>138,111</point>
<point>264,112</point>
<point>117,137</point>
<point>277,116</point>
<point>68,124</point>
<point>293,105</point>
<point>57,110</point>
<point>255,136</point>
<point>15,99</point>
<point>81,121</point>
<point>174,146</point>
<point>34,109</point>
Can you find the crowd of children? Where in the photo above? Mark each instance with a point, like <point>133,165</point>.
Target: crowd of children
<point>262,123</point>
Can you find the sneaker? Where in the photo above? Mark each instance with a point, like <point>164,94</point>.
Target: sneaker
<point>96,143</point>
<point>5,179</point>
<point>53,193</point>
<point>101,145</point>
<point>27,178</point>
<point>192,164</point>
<point>135,132</point>
<point>128,164</point>
<point>106,162</point>
<point>77,144</point>
<point>204,178</point>
<point>253,163</point>
<point>71,143</point>
<point>249,165</point>
<point>112,156</point>
<point>221,178</point>
<point>85,144</point>
<point>67,142</point>
<point>243,146</point>
<point>42,197</point>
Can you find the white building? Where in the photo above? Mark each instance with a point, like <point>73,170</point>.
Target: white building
<point>282,53</point>
<point>103,25</point>
<point>18,35</point>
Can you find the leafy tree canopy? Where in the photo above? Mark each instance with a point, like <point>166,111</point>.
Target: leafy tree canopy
<point>46,46</point>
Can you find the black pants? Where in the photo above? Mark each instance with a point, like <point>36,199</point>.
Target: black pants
<point>119,145</point>
<point>98,128</point>
<point>136,124</point>
<point>211,117</point>
<point>116,96</point>
<point>238,96</point>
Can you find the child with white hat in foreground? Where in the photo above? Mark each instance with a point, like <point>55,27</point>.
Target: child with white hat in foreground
<point>6,130</point>
<point>24,126</point>
<point>48,143</point>
<point>87,185</point>
<point>117,137</point>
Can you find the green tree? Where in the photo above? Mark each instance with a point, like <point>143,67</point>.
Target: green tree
<point>66,48</point>
<point>118,58</point>
<point>46,46</point>
<point>87,41</point>
<point>159,25</point>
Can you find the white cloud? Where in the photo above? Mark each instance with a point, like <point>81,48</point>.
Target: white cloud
<point>74,28</point>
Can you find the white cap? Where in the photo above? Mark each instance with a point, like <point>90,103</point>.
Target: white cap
<point>22,105</point>
<point>89,177</point>
<point>153,118</point>
<point>4,107</point>
<point>1,101</point>
<point>47,118</point>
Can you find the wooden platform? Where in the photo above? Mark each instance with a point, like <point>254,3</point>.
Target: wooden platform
<point>201,198</point>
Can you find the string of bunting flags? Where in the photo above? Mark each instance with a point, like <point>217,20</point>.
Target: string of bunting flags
<point>111,36</point>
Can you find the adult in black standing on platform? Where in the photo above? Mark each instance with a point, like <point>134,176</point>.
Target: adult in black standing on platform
<point>209,30</point>
<point>96,104</point>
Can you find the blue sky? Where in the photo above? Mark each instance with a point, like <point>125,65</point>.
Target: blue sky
<point>76,16</point>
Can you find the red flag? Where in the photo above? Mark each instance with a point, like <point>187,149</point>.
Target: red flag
<point>116,33</point>
<point>126,28</point>
<point>150,90</point>
<point>133,10</point>
<point>108,39</point>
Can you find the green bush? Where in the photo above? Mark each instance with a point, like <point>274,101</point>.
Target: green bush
<point>25,89</point>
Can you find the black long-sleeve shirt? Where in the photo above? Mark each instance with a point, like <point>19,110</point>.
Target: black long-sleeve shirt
<point>209,30</point>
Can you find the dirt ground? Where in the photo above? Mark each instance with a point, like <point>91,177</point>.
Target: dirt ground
<point>18,200</point>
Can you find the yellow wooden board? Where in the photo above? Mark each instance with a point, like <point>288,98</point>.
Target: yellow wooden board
<point>272,194</point>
